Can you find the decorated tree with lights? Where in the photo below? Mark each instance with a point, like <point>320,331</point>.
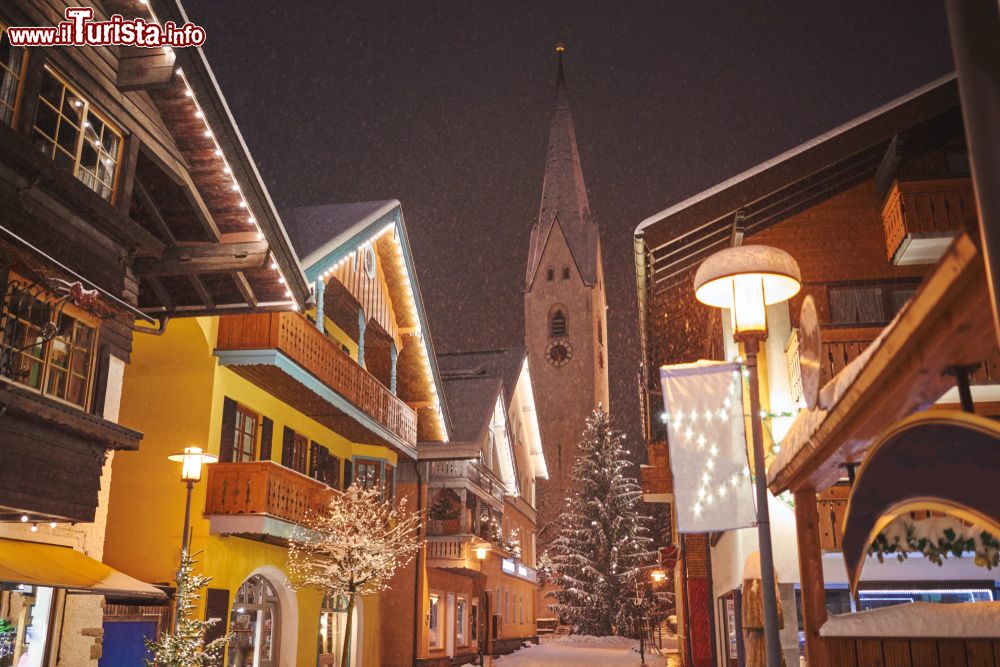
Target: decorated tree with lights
<point>186,647</point>
<point>352,546</point>
<point>597,560</point>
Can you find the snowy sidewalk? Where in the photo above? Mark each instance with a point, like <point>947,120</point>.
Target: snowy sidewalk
<point>580,651</point>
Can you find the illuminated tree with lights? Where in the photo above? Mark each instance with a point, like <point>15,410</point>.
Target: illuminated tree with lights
<point>352,546</point>
<point>603,541</point>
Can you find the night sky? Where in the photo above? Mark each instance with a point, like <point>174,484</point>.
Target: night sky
<point>446,107</point>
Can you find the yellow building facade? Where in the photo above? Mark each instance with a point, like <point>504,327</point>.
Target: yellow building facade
<point>295,411</point>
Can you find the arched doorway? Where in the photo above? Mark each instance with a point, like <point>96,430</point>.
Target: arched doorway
<point>255,624</point>
<point>333,625</point>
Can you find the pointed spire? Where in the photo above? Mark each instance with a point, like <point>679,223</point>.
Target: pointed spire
<point>564,193</point>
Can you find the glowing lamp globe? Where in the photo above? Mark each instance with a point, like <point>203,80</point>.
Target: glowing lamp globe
<point>191,460</point>
<point>746,279</point>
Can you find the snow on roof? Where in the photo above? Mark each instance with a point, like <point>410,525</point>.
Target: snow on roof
<point>778,159</point>
<point>966,620</point>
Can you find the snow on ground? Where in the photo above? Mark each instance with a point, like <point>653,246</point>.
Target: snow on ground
<point>581,651</point>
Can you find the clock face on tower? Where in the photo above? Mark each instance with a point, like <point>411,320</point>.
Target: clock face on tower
<point>559,352</point>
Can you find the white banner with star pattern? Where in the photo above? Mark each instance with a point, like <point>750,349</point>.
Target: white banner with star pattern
<point>703,405</point>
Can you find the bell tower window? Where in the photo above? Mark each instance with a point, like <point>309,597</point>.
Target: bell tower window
<point>550,274</point>
<point>558,325</point>
<point>565,273</point>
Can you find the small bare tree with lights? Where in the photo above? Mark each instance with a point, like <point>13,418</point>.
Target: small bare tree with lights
<point>352,546</point>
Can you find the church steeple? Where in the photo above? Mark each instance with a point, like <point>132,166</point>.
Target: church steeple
<point>564,193</point>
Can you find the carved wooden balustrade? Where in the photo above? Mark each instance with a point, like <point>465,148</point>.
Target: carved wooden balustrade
<point>299,339</point>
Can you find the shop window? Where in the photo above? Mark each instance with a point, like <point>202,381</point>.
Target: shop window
<point>332,625</point>
<point>12,64</point>
<point>69,130</point>
<point>46,347</point>
<point>435,635</point>
<point>254,625</point>
<point>461,620</point>
<point>28,612</point>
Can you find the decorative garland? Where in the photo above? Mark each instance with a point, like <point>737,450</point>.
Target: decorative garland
<point>936,538</point>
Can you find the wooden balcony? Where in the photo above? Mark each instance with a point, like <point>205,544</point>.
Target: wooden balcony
<point>657,480</point>
<point>260,499</point>
<point>453,552</point>
<point>456,474</point>
<point>920,218</point>
<point>842,345</point>
<point>286,355</point>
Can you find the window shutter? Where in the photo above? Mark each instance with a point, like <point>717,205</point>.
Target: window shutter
<point>335,472</point>
<point>348,473</point>
<point>266,432</point>
<point>287,447</point>
<point>228,440</point>
<point>390,483</point>
<point>217,606</point>
<point>316,461</point>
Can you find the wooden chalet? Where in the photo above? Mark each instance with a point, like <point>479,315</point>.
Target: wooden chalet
<point>881,216</point>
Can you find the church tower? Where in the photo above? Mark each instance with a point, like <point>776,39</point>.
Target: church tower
<point>564,312</point>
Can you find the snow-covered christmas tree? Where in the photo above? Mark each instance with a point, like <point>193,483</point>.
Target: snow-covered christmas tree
<point>352,546</point>
<point>603,542</point>
<point>186,647</point>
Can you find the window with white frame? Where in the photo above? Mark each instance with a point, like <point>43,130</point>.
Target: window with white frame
<point>435,636</point>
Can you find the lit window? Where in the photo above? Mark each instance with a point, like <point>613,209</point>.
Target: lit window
<point>460,621</point>
<point>47,348</point>
<point>12,63</point>
<point>557,325</point>
<point>71,132</point>
<point>434,622</point>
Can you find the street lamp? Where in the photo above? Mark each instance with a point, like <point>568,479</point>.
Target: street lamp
<point>191,460</point>
<point>747,279</point>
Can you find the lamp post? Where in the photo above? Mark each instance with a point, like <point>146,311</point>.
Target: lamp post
<point>191,460</point>
<point>747,279</point>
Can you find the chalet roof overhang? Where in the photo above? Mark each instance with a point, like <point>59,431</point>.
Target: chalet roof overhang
<point>385,225</point>
<point>223,247</point>
<point>670,244</point>
<point>947,323</point>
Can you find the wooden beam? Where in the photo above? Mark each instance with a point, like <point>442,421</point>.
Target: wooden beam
<point>202,291</point>
<point>811,575</point>
<point>145,69</point>
<point>123,196</point>
<point>160,291</point>
<point>205,258</point>
<point>244,286</point>
<point>154,212</point>
<point>201,211</point>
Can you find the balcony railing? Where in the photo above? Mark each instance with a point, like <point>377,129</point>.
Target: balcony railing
<point>920,217</point>
<point>474,472</point>
<point>841,346</point>
<point>262,488</point>
<point>298,339</point>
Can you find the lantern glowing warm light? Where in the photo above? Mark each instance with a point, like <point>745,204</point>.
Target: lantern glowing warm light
<point>747,279</point>
<point>482,552</point>
<point>658,575</point>
<point>191,460</point>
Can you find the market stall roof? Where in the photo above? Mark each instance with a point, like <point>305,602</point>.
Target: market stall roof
<point>38,564</point>
<point>919,619</point>
<point>947,323</point>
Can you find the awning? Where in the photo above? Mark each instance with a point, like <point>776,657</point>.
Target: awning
<point>56,566</point>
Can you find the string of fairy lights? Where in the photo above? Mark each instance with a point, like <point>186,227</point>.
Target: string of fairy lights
<point>227,170</point>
